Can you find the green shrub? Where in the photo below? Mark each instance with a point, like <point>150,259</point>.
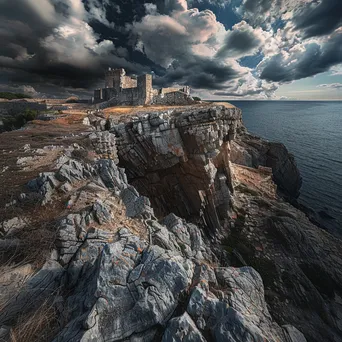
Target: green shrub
<point>196,98</point>
<point>18,121</point>
<point>12,96</point>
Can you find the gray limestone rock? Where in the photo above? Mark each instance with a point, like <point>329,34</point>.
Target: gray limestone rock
<point>136,205</point>
<point>240,314</point>
<point>101,212</point>
<point>73,171</point>
<point>174,157</point>
<point>125,293</point>
<point>71,234</point>
<point>182,329</point>
<point>44,185</point>
<point>292,334</point>
<point>253,151</point>
<point>104,144</point>
<point>112,176</point>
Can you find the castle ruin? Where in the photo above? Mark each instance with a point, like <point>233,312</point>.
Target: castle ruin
<point>122,90</point>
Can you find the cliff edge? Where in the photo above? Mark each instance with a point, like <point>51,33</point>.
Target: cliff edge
<point>162,224</point>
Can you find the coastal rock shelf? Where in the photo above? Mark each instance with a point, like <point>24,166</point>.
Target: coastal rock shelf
<point>166,225</point>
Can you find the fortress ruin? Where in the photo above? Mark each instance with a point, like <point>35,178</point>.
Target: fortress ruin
<point>122,90</point>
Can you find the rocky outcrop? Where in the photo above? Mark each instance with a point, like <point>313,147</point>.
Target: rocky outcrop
<point>182,244</point>
<point>299,263</point>
<point>179,159</point>
<point>252,151</point>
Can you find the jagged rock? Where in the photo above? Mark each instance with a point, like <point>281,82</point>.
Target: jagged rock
<point>182,329</point>
<point>101,212</point>
<point>177,159</point>
<point>299,263</point>
<point>187,236</point>
<point>253,151</point>
<point>112,176</point>
<point>104,145</point>
<point>136,205</point>
<point>12,225</point>
<point>129,300</point>
<point>116,286</point>
<point>292,334</point>
<point>241,313</point>
<point>44,185</point>
<point>73,171</point>
<point>71,234</point>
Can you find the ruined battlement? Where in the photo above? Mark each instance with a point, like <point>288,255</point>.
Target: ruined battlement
<point>123,90</point>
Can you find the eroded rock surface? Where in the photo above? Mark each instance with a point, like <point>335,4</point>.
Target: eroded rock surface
<point>179,159</point>
<point>181,245</point>
<point>252,151</point>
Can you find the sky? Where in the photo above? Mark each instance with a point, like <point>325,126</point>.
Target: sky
<point>223,49</point>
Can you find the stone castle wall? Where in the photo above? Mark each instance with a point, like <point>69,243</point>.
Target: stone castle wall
<point>129,82</point>
<point>140,95</point>
<point>122,90</point>
<point>172,98</point>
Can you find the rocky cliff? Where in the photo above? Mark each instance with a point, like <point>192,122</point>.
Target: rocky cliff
<point>165,225</point>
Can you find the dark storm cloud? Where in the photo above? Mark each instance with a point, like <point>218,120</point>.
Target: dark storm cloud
<point>314,60</point>
<point>50,41</point>
<point>69,44</point>
<point>241,41</point>
<point>317,19</point>
<point>200,73</point>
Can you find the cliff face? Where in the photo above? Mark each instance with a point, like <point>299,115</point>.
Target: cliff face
<point>167,227</point>
<point>180,160</point>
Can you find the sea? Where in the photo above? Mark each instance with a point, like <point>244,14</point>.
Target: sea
<point>312,132</point>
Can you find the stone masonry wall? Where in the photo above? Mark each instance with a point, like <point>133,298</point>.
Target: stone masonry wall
<point>129,82</point>
<point>173,98</point>
<point>130,91</point>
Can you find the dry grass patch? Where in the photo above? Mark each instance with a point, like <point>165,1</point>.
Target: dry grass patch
<point>254,181</point>
<point>38,326</point>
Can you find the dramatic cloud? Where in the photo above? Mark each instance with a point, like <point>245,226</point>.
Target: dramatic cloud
<point>201,73</point>
<point>248,86</point>
<point>265,12</point>
<point>64,46</point>
<point>243,40</point>
<point>305,61</point>
<point>184,43</point>
<point>54,41</point>
<point>319,19</point>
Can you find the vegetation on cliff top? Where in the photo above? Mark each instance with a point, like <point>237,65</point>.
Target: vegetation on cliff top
<point>18,121</point>
<point>13,96</point>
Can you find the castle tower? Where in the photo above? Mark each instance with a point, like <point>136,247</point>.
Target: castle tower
<point>145,89</point>
<point>114,78</point>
